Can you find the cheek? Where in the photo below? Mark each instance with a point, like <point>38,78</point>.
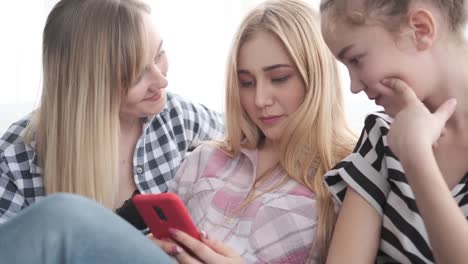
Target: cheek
<point>137,93</point>
<point>293,98</point>
<point>373,75</point>
<point>247,101</point>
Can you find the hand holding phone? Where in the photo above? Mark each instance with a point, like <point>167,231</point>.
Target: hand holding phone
<point>164,211</point>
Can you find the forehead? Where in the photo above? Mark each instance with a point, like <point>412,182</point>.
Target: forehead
<point>152,34</point>
<point>262,49</point>
<point>336,33</point>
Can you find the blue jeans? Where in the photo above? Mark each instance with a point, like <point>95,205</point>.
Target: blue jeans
<point>66,228</point>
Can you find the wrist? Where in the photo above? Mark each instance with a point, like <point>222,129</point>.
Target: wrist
<point>415,152</point>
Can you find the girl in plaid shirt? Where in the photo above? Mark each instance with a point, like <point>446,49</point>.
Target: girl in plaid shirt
<point>105,126</point>
<point>260,191</point>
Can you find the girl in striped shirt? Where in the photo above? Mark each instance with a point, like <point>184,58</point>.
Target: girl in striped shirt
<point>408,201</point>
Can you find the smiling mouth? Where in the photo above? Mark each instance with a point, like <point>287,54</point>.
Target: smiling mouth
<point>154,97</point>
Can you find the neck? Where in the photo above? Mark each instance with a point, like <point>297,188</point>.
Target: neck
<point>128,123</point>
<point>453,84</point>
<point>271,149</point>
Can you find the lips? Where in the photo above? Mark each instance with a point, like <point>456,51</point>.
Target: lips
<point>376,98</point>
<point>270,119</point>
<point>154,97</point>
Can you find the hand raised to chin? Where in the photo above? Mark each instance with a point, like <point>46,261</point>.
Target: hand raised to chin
<point>414,126</point>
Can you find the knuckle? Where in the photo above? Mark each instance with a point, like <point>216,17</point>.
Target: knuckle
<point>200,248</point>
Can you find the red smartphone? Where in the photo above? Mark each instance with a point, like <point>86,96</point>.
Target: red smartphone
<point>163,211</point>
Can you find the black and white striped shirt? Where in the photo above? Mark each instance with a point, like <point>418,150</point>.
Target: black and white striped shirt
<point>374,172</point>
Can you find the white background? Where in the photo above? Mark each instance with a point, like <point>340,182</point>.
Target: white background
<point>197,35</point>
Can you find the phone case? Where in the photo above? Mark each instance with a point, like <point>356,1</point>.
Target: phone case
<point>163,211</point>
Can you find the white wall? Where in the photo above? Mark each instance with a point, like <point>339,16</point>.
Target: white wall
<point>197,38</point>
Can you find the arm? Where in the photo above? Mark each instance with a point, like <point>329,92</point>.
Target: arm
<point>445,223</point>
<point>357,219</point>
<point>200,122</point>
<point>12,200</point>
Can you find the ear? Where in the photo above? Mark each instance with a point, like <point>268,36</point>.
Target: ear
<point>423,28</point>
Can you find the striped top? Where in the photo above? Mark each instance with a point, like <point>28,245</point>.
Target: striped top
<point>277,227</point>
<point>375,173</point>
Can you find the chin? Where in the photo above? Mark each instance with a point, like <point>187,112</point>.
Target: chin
<point>158,106</point>
<point>272,136</point>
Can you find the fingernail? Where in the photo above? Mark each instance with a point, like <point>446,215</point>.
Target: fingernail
<point>385,81</point>
<point>175,250</point>
<point>172,232</point>
<point>204,235</point>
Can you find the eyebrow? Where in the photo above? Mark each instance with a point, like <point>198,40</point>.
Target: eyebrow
<point>272,67</point>
<point>342,53</point>
<point>267,68</point>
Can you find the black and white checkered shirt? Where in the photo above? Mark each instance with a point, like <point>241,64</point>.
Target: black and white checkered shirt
<point>159,151</point>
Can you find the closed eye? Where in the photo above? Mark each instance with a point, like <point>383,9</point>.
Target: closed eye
<point>280,79</point>
<point>158,58</point>
<point>355,61</point>
<point>247,84</point>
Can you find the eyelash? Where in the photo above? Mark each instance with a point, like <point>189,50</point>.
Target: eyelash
<point>279,80</point>
<point>247,84</point>
<point>355,60</point>
<point>156,60</point>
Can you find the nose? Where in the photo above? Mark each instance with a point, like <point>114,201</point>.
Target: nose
<point>264,95</point>
<point>356,84</point>
<point>159,78</point>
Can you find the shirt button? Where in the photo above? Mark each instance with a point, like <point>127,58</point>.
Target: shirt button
<point>139,170</point>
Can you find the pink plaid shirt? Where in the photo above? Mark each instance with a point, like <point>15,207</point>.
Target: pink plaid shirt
<point>277,227</point>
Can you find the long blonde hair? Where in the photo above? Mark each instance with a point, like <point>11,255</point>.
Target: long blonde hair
<point>318,135</point>
<point>92,52</point>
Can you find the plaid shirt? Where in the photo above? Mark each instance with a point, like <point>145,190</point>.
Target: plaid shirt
<point>159,151</point>
<point>277,227</point>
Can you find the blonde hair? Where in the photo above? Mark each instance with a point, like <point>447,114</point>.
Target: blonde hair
<point>318,136</point>
<point>93,51</point>
<point>393,12</point>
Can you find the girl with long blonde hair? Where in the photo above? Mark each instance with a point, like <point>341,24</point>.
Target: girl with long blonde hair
<point>105,128</point>
<point>285,127</point>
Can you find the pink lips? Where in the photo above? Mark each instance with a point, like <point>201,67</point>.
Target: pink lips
<point>155,97</point>
<point>269,120</point>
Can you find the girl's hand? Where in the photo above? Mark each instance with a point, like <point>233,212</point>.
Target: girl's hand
<point>206,251</point>
<point>415,126</point>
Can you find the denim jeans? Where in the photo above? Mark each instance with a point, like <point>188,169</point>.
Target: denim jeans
<point>66,228</point>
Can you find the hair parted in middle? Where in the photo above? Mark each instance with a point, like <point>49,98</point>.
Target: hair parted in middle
<point>317,135</point>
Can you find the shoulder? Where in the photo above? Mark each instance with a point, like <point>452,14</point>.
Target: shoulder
<point>12,141</point>
<point>175,101</point>
<point>16,155</point>
<point>378,120</point>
